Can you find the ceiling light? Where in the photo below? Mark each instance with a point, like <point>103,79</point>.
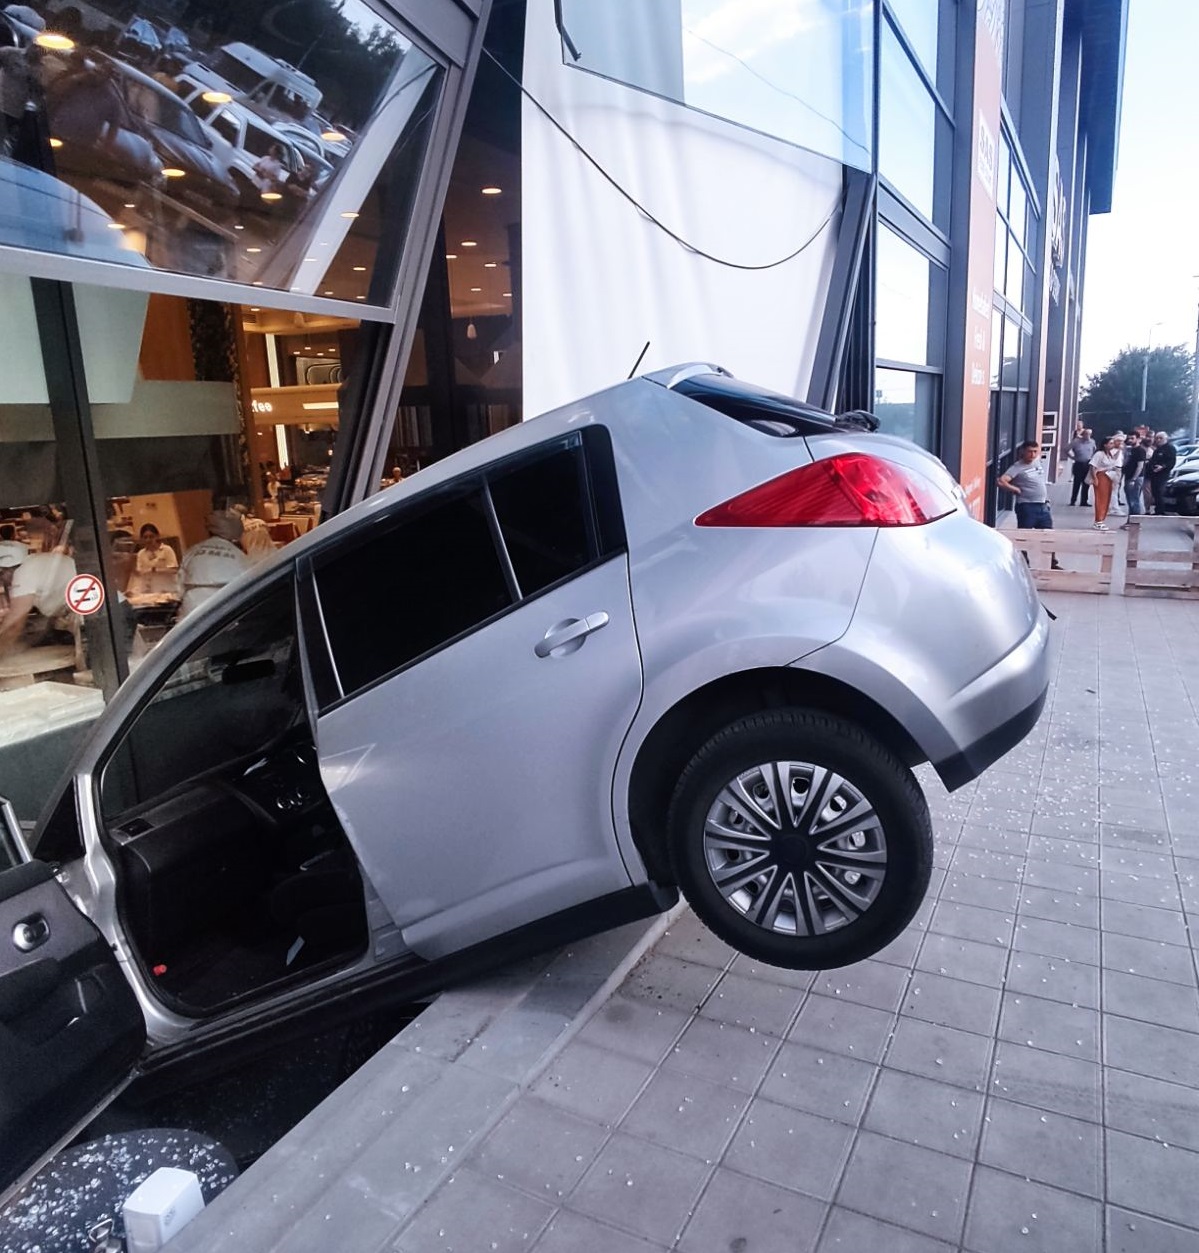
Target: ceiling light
<point>56,43</point>
<point>55,143</point>
<point>332,136</point>
<point>476,289</point>
<point>507,293</point>
<point>116,226</point>
<point>359,297</point>
<point>451,256</point>
<point>312,405</point>
<point>492,191</point>
<point>307,347</point>
<point>237,226</point>
<point>130,205</point>
<point>349,215</point>
<point>490,265</point>
<point>360,269</point>
<point>173,171</point>
<point>268,195</point>
<point>328,293</point>
<point>470,243</point>
<point>256,283</point>
<point>255,308</point>
<point>216,97</point>
<point>471,331</point>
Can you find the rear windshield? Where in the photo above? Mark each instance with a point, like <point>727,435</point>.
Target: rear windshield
<point>766,411</point>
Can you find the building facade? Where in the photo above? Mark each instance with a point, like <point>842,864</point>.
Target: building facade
<point>256,262</point>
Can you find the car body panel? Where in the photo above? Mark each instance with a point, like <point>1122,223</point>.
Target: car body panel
<point>474,784</point>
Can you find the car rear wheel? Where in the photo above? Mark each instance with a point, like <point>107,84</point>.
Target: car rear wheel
<point>800,840</point>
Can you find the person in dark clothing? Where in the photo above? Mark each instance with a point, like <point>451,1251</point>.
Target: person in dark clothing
<point>1161,467</point>
<point>1081,450</point>
<point>1134,473</point>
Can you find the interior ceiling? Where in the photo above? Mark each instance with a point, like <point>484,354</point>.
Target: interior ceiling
<point>470,215</point>
<point>285,322</point>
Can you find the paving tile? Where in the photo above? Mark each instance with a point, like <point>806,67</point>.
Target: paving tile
<point>753,1003</point>
<point>902,950</point>
<point>737,1213</point>
<point>1055,906</point>
<point>801,979</point>
<point>1152,1108</point>
<point>1159,1179</point>
<point>1148,1049</point>
<point>469,1211</point>
<point>1057,939</point>
<point>907,1185</point>
<point>636,1028</point>
<point>1131,837</point>
<point>952,1003</point>
<point>733,1057</point>
<point>827,1022</point>
<point>866,983</point>
<point>1166,925</point>
<point>687,1114</point>
<point>1007,1212</point>
<point>970,922</point>
<point>1138,861</point>
<point>1051,1148</point>
<point>592,1082</point>
<point>994,839</point>
<point>1063,825</point>
<point>1045,874</point>
<point>667,981</point>
<point>577,1233</point>
<point>1064,852</point>
<point>1050,1025</point>
<point>1048,1081</point>
<point>963,959</point>
<point>641,1188</point>
<point>922,1111</point>
<point>539,1148</point>
<point>689,940</point>
<point>1149,958</point>
<point>819,1081</point>
<point>944,1054</point>
<point>848,1232</point>
<point>1139,890</point>
<point>979,861</point>
<point>1129,1232</point>
<point>972,889</point>
<point>1054,978</point>
<point>790,1148</point>
<point>1151,1000</point>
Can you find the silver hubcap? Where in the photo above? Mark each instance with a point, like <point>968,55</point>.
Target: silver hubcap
<point>795,848</point>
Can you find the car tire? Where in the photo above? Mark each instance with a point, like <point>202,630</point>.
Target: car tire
<point>834,884</point>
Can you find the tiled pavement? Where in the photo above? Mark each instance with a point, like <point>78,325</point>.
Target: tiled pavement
<point>1018,1071</point>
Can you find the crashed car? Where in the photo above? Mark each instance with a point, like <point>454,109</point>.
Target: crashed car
<point>683,634</point>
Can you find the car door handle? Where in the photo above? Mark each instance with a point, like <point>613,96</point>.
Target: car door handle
<point>571,631</point>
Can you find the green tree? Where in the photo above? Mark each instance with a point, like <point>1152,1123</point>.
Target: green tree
<point>1115,391</point>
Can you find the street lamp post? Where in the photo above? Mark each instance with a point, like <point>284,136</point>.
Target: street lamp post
<point>1145,367</point>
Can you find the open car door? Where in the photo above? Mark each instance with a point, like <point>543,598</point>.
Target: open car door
<point>70,1027</point>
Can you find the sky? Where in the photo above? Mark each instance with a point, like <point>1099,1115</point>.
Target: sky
<point>1143,257</point>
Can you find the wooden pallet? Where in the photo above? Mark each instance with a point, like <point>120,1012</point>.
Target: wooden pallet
<point>1181,577</point>
<point>1040,547</point>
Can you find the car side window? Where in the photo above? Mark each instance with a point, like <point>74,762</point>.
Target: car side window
<point>544,511</point>
<point>226,126</point>
<point>432,576</point>
<point>233,695</point>
<point>258,141</point>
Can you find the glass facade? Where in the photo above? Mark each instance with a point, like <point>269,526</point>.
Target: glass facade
<point>795,70</point>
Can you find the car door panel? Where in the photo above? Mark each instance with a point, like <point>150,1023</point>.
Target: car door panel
<point>476,785</point>
<point>70,1027</point>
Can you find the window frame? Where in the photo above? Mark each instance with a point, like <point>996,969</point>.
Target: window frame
<point>606,537</point>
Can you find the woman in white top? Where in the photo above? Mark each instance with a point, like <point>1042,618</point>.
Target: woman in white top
<point>154,555</point>
<point>1106,469</point>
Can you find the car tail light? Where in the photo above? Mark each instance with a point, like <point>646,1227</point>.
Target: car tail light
<point>851,489</point>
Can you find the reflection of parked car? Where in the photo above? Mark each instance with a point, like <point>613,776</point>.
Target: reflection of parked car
<point>681,632</point>
<point>277,88</point>
<point>139,41</point>
<point>193,162</point>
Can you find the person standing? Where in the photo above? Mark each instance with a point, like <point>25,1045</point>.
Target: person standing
<point>1106,468</point>
<point>210,564</point>
<point>1134,473</point>
<point>1025,479</point>
<point>1165,455</point>
<point>1081,450</point>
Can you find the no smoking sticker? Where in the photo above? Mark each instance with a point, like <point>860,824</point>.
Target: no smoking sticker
<point>85,595</point>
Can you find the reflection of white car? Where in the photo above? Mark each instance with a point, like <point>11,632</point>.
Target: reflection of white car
<point>43,213</point>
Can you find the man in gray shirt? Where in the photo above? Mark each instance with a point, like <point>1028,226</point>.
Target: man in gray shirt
<point>1082,449</point>
<point>1025,479</point>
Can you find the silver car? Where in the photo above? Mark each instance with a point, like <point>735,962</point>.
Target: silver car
<point>685,633</point>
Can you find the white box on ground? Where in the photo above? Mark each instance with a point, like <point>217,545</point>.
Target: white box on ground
<point>159,1207</point>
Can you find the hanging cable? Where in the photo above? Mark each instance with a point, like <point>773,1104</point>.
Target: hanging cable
<point>612,182</point>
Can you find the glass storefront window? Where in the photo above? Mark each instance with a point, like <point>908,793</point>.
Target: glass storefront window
<point>1013,287</point>
<point>277,148</point>
<point>996,347</point>
<point>1011,353</point>
<point>795,70</point>
<point>907,404</point>
<point>905,280</point>
<point>913,136</point>
<point>1000,277</point>
<point>920,20</point>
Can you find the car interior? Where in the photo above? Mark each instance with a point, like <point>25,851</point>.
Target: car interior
<point>234,874</point>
